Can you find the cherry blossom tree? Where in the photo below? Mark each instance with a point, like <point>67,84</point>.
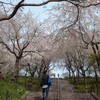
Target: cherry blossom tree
<point>17,36</point>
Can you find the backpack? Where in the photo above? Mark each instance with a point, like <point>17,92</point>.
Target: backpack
<point>49,81</point>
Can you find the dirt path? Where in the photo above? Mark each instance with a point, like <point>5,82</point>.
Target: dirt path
<point>66,93</point>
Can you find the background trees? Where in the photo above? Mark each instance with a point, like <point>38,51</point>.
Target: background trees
<point>17,36</point>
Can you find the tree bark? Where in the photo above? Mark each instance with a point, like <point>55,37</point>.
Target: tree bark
<point>17,63</point>
<point>97,82</point>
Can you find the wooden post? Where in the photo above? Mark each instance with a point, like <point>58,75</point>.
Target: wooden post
<point>58,88</point>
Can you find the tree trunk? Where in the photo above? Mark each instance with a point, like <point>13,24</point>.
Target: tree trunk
<point>74,78</point>
<point>97,82</point>
<point>69,73</point>
<point>84,77</point>
<point>78,76</point>
<point>17,63</point>
<point>85,83</point>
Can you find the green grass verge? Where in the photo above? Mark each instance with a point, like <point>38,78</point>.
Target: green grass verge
<point>82,88</point>
<point>15,91</point>
<point>32,83</point>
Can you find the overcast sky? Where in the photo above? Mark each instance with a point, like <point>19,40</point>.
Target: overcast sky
<point>39,12</point>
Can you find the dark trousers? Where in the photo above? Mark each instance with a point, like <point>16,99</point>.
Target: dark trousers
<point>45,92</point>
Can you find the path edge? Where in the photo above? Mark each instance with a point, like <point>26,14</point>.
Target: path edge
<point>24,96</point>
<point>95,96</point>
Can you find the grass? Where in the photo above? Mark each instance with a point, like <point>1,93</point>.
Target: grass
<point>18,89</point>
<point>31,83</point>
<point>89,87</point>
<point>14,91</point>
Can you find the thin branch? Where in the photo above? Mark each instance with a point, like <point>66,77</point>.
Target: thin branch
<point>39,4</point>
<point>83,6</point>
<point>25,45</point>
<point>25,55</point>
<point>6,3</point>
<point>89,5</point>
<point>8,48</point>
<point>75,21</point>
<point>14,47</point>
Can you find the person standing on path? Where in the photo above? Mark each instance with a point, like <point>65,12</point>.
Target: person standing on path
<point>45,84</point>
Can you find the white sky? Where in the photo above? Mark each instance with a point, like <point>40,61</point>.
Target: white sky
<point>58,71</point>
<point>40,11</point>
